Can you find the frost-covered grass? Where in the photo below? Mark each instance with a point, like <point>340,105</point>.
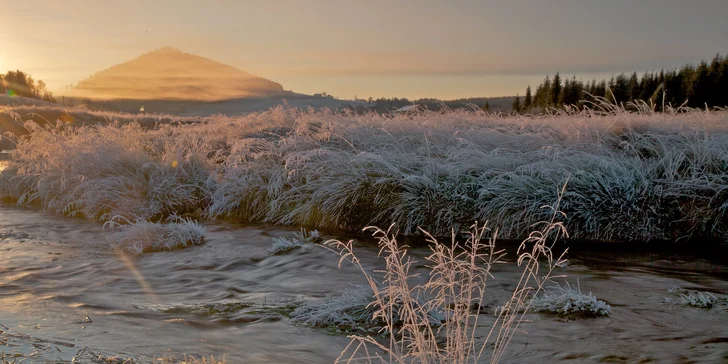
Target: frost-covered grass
<point>694,299</point>
<point>632,176</point>
<point>567,301</point>
<point>209,309</point>
<point>144,236</point>
<point>283,245</point>
<point>348,311</point>
<point>352,311</point>
<point>111,171</point>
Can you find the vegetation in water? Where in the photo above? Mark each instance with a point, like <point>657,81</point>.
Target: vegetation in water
<point>458,278</point>
<point>569,302</point>
<point>699,299</point>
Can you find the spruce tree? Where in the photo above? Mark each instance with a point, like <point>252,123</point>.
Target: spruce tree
<point>723,82</point>
<point>633,90</point>
<point>714,78</point>
<point>546,97</point>
<point>574,93</point>
<point>517,104</point>
<point>602,89</point>
<point>621,89</point>
<point>556,90</point>
<point>565,90</point>
<point>701,86</point>
<point>538,96</point>
<point>527,102</point>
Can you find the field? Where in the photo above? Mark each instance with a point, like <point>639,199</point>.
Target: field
<point>631,176</point>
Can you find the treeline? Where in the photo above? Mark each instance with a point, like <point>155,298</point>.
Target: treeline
<point>19,83</point>
<point>696,86</point>
<point>390,104</point>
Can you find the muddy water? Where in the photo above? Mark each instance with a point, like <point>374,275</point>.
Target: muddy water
<point>65,293</point>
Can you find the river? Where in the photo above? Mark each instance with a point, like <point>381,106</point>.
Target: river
<point>65,293</point>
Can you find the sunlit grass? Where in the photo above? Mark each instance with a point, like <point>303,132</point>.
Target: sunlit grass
<point>634,176</point>
<point>439,321</point>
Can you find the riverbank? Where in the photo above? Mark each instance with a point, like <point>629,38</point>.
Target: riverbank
<point>630,177</point>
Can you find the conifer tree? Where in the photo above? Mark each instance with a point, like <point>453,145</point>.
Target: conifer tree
<point>527,101</point>
<point>620,89</point>
<point>517,104</point>
<point>633,90</point>
<point>706,83</point>
<point>723,83</point>
<point>701,86</point>
<point>556,90</point>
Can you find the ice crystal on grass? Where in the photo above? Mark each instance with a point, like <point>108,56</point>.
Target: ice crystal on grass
<point>568,301</point>
<point>143,236</point>
<point>349,310</point>
<point>698,299</point>
<point>283,245</point>
<point>208,309</point>
<point>353,310</point>
<point>635,176</point>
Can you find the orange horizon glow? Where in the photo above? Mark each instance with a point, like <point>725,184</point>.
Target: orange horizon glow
<point>408,48</point>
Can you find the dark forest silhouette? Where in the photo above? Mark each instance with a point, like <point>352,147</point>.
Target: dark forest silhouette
<point>19,83</point>
<point>694,86</point>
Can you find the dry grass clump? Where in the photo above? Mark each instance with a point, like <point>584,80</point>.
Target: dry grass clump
<point>283,245</point>
<point>699,299</point>
<point>348,311</point>
<point>144,236</point>
<point>568,302</point>
<point>457,282</point>
<point>110,171</point>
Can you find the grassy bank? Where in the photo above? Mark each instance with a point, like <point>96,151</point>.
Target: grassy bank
<point>632,176</point>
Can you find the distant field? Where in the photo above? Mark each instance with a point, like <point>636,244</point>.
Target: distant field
<point>631,176</point>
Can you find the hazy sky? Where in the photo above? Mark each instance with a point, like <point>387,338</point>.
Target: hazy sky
<point>444,49</point>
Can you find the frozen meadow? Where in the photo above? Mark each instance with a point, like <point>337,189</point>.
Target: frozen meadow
<point>630,176</point>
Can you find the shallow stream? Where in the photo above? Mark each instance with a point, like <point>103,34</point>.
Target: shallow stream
<point>65,294</point>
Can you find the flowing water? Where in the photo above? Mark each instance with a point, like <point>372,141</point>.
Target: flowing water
<point>65,294</point>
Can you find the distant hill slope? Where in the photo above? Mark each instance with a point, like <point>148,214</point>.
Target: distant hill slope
<point>170,74</point>
<point>6,100</point>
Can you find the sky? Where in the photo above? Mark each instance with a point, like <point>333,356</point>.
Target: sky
<point>422,48</point>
